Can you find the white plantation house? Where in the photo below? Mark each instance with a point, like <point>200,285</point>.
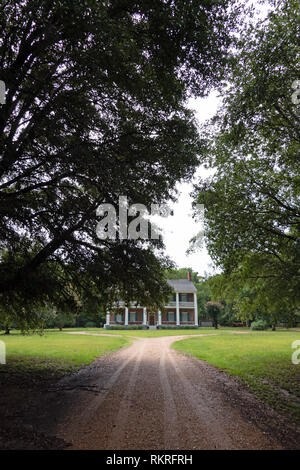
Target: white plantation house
<point>181,310</point>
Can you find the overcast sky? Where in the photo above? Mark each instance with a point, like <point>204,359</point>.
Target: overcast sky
<point>179,229</point>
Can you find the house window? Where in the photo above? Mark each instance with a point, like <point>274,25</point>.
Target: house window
<point>184,297</point>
<point>184,316</point>
<point>132,316</point>
<point>170,316</point>
<point>119,317</point>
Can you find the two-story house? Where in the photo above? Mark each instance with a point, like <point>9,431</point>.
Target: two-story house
<point>181,309</point>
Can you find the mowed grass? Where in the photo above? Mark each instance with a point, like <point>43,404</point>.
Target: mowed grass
<point>157,333</point>
<point>34,358</point>
<point>261,360</point>
<point>54,353</point>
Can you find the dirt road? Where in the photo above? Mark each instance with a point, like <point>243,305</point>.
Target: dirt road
<point>148,396</point>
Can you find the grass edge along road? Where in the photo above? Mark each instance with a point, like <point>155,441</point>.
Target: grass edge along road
<point>54,353</point>
<point>37,360</point>
<point>33,364</point>
<point>261,360</point>
<point>156,333</point>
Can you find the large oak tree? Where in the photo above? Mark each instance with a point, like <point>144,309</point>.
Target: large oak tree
<point>95,109</point>
<point>252,199</point>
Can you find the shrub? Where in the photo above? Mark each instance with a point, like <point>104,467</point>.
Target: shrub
<point>259,325</point>
<point>214,309</point>
<point>90,324</point>
<point>177,327</point>
<point>123,327</point>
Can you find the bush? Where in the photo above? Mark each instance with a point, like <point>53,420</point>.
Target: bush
<point>123,327</point>
<point>90,324</point>
<point>259,325</point>
<point>214,309</point>
<point>177,327</point>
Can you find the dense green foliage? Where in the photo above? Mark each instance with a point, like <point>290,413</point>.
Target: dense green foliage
<point>95,109</point>
<point>180,327</point>
<point>214,310</point>
<point>252,208</point>
<point>130,327</point>
<point>259,325</point>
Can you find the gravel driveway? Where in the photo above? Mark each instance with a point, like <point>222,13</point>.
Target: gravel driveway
<point>148,396</point>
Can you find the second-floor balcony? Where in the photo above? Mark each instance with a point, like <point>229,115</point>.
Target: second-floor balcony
<point>182,304</point>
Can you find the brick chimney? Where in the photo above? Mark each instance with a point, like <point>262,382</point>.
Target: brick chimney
<point>189,276</point>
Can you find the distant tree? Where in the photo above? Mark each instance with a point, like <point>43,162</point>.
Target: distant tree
<point>182,273</point>
<point>96,108</point>
<point>5,322</point>
<point>254,299</point>
<point>64,319</point>
<point>203,296</point>
<point>214,310</point>
<point>251,202</point>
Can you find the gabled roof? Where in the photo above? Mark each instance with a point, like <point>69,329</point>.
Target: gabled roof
<point>182,285</point>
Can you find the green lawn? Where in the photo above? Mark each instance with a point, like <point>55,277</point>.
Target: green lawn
<point>34,363</point>
<point>34,358</point>
<point>157,333</point>
<point>262,360</point>
<point>54,353</point>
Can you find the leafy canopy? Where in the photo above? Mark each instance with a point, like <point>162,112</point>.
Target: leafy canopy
<point>252,200</point>
<point>94,110</point>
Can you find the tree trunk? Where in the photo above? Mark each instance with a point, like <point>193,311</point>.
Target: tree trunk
<point>7,330</point>
<point>274,327</point>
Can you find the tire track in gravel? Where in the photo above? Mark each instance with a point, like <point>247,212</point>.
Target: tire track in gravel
<point>126,400</point>
<point>171,440</point>
<point>209,423</point>
<point>102,383</point>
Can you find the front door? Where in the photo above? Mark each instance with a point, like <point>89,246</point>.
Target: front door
<point>151,319</point>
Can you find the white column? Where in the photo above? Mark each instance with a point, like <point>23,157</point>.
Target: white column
<point>159,317</point>
<point>177,309</point>
<point>144,316</point>
<point>107,319</point>
<point>126,316</point>
<point>195,309</point>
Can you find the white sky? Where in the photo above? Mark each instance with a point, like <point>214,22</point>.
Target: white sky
<point>181,227</point>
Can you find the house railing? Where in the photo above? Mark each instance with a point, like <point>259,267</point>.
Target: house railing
<point>172,304</point>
